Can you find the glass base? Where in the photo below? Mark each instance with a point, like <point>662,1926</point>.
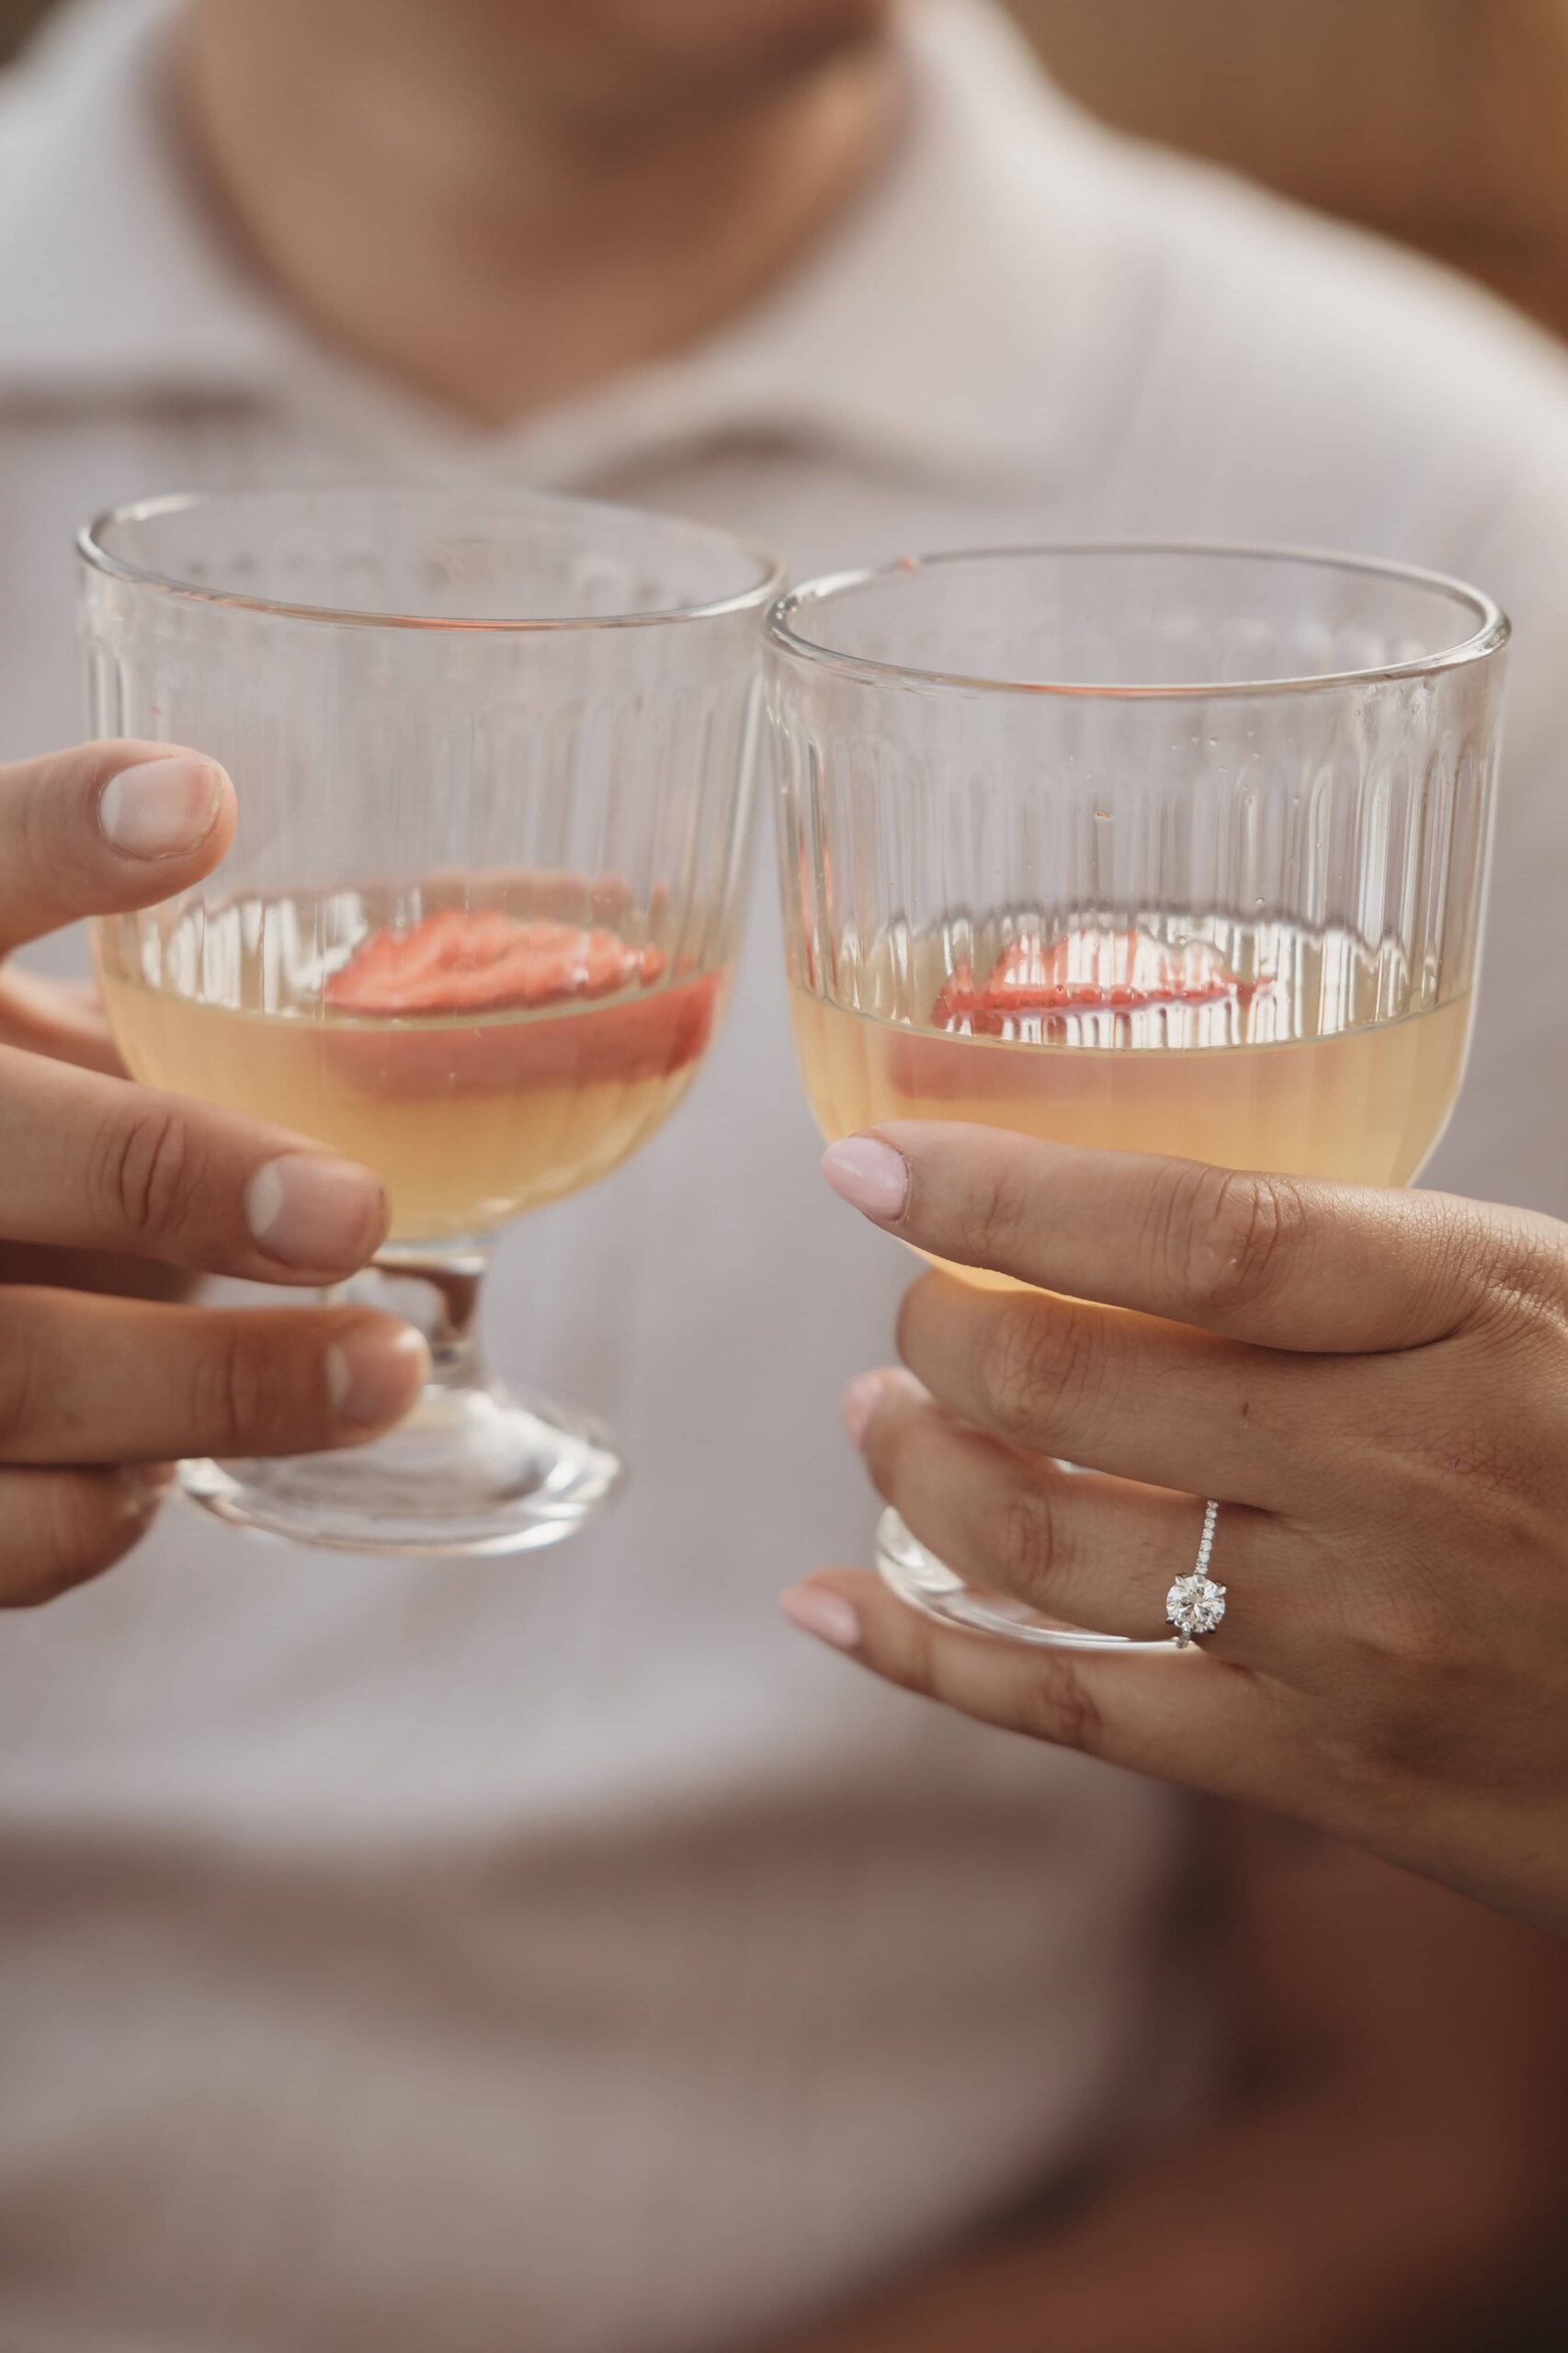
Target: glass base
<point>470,1472</point>
<point>918,1578</point>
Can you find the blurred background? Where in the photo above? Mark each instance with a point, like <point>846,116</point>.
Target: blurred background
<point>1438,123</point>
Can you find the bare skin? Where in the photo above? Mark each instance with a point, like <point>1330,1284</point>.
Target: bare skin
<point>111,1195</point>
<point>1375,1386</point>
<point>496,203</point>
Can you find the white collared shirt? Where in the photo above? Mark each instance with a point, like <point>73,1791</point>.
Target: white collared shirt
<point>555,1955</point>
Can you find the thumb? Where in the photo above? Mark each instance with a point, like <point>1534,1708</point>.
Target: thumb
<point>105,826</point>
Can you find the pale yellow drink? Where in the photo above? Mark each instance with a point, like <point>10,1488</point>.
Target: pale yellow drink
<point>469,1117</point>
<point>1325,1066</point>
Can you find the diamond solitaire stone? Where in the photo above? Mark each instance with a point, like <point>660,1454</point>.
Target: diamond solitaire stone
<point>1193,1605</point>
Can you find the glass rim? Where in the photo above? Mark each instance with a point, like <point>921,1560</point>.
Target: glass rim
<point>91,550</point>
<point>1490,634</point>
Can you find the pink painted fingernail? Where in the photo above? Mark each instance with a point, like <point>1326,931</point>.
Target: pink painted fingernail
<point>869,1175</point>
<point>826,1615</point>
<point>857,1404</point>
<point>162,808</point>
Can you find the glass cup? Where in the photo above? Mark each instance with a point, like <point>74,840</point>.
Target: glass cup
<point>1156,848</point>
<point>494,758</point>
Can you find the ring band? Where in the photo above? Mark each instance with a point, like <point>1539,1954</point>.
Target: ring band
<point>1195,1604</point>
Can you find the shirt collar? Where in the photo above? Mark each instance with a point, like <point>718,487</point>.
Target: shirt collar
<point>941,326</point>
<point>938,328</point>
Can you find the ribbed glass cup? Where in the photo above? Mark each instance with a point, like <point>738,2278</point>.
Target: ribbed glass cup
<point>1156,848</point>
<point>494,754</point>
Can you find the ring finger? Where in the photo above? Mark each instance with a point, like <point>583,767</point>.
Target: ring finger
<point>1092,1551</point>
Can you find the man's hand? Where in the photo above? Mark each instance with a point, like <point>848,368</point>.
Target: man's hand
<point>100,1389</point>
<point>1375,1386</point>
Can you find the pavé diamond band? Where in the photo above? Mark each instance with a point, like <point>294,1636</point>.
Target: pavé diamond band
<point>1195,1604</point>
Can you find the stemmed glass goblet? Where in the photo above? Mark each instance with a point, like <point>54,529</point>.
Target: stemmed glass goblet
<point>1154,848</point>
<point>495,756</point>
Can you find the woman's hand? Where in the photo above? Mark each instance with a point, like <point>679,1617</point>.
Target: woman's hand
<point>1374,1385</point>
<point>103,1185</point>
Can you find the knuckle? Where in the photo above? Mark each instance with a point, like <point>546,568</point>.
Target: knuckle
<point>1411,1678</point>
<point>83,1532</point>
<point>245,1392</point>
<point>1520,1278</point>
<point>998,1214</point>
<point>19,1382</point>
<point>1229,1233</point>
<point>1022,1540</point>
<point>1407,1639</point>
<point>1054,1703</point>
<point>1468,1475</point>
<point>80,1534</point>
<point>1038,1364</point>
<point>1059,1706</point>
<point>914,1663</point>
<point>1412,1713</point>
<point>146,1170</point>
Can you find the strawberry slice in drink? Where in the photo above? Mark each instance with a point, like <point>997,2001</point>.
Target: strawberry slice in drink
<point>1085,972</point>
<point>458,961</point>
<point>399,984</point>
<point>1033,989</point>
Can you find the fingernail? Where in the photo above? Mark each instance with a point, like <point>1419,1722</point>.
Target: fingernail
<point>310,1210</point>
<point>872,1177</point>
<point>162,808</point>
<point>374,1375</point>
<point>858,1402</point>
<point>826,1615</point>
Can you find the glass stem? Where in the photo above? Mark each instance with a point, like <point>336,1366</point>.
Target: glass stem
<point>436,1288</point>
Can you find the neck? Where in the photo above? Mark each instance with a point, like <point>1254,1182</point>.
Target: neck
<point>494,261</point>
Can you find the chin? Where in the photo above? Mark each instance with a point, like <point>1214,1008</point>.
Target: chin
<point>614,61</point>
<point>748,41</point>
